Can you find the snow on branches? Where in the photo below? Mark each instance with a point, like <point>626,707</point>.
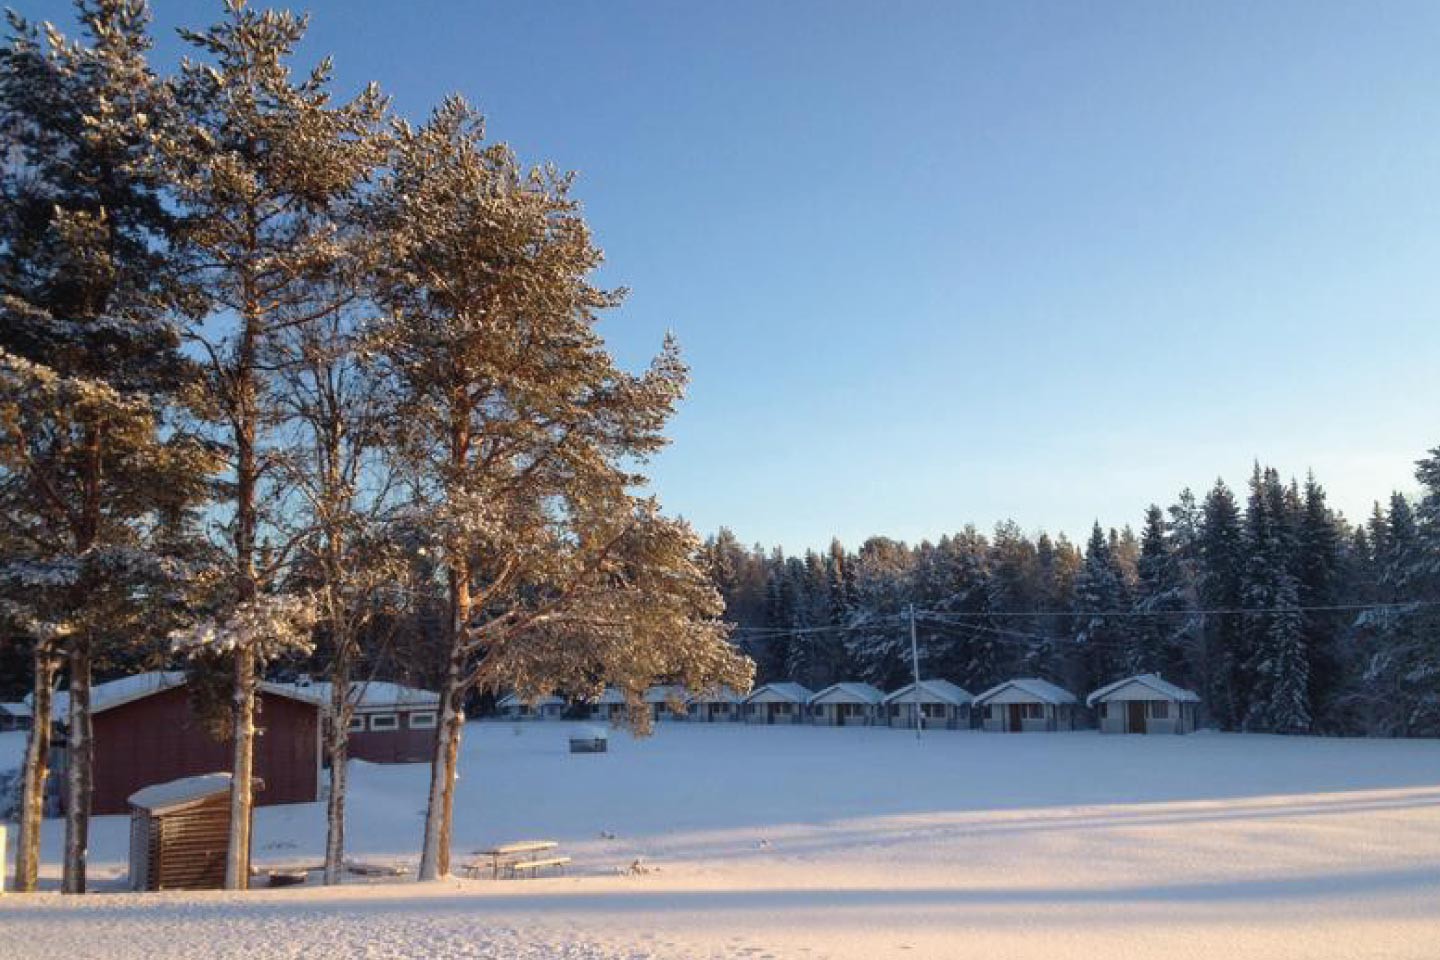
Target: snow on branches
<point>268,626</point>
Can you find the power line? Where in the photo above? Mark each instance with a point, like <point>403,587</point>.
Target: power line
<point>1191,612</point>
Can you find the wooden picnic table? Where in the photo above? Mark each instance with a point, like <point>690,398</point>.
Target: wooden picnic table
<point>517,848</point>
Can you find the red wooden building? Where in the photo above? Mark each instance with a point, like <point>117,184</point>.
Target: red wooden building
<point>146,733</point>
<point>391,723</point>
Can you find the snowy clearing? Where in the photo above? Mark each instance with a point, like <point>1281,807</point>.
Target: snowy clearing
<point>843,843</point>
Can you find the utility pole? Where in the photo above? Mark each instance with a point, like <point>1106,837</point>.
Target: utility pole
<point>915,663</point>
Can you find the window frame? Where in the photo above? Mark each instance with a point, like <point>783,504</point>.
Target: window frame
<point>432,718</point>
<point>384,722</point>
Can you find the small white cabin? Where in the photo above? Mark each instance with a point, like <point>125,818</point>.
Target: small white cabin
<point>1144,704</point>
<point>846,704</point>
<point>716,705</point>
<point>512,706</point>
<point>782,702</point>
<point>610,705</point>
<point>940,703</point>
<point>1027,705</point>
<point>666,701</point>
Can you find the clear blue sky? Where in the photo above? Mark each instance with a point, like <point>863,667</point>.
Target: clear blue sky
<point>946,262</point>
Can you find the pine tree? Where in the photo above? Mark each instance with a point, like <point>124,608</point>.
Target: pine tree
<point>259,164</point>
<point>90,366</point>
<point>1221,572</point>
<point>523,436</point>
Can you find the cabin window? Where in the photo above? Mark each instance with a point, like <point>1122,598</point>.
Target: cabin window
<point>423,721</point>
<point>991,712</point>
<point>357,724</point>
<point>1159,710</point>
<point>1104,710</point>
<point>1034,711</point>
<point>384,721</point>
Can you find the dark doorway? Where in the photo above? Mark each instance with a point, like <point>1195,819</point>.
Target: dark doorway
<point>1017,712</point>
<point>1136,716</point>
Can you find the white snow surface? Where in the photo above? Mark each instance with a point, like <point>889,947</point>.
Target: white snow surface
<point>814,842</point>
<point>162,796</point>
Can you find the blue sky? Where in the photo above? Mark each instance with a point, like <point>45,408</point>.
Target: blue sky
<point>945,262</point>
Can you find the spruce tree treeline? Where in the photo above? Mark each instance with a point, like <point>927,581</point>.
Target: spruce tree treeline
<point>1280,612</point>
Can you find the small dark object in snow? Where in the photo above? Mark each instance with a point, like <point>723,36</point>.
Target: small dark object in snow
<point>763,844</point>
<point>637,868</point>
<point>376,869</point>
<point>286,878</point>
<point>606,835</point>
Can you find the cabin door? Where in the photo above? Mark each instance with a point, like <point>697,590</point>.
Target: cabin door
<point>1015,715</point>
<point>1136,716</point>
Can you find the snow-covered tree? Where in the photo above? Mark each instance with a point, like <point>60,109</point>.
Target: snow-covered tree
<point>260,165</point>
<point>522,435</point>
<point>90,366</point>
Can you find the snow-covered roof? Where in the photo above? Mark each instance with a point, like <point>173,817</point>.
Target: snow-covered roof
<point>664,693</point>
<point>366,694</point>
<point>15,709</point>
<point>612,696</point>
<point>784,689</point>
<point>848,692</point>
<point>715,695</point>
<point>931,691</point>
<point>515,700</point>
<point>1152,681</point>
<point>1042,690</point>
<point>160,797</point>
<point>114,693</point>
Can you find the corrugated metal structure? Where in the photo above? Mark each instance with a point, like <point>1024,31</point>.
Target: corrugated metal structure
<point>179,834</point>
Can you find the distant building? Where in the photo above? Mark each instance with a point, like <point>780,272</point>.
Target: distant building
<point>716,705</point>
<point>1027,705</point>
<point>515,707</point>
<point>146,733</point>
<point>1144,704</point>
<point>610,705</point>
<point>847,704</point>
<point>666,702</point>
<point>14,716</point>
<point>391,723</point>
<point>782,702</point>
<point>941,703</point>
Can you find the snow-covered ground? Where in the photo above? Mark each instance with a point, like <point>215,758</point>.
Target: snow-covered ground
<point>843,843</point>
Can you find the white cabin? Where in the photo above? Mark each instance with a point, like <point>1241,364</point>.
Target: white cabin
<point>610,705</point>
<point>716,705</point>
<point>666,701</point>
<point>846,704</point>
<point>940,703</point>
<point>512,706</point>
<point>1144,704</point>
<point>1027,705</point>
<point>782,702</point>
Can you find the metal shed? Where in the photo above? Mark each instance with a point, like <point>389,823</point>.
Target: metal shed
<point>180,833</point>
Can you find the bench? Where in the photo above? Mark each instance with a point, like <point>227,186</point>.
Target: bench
<point>535,866</point>
<point>505,853</point>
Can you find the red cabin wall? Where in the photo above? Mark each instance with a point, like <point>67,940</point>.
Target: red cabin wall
<point>406,744</point>
<point>158,738</point>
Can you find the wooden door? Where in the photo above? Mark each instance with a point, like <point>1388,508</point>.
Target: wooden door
<point>1136,716</point>
<point>1016,715</point>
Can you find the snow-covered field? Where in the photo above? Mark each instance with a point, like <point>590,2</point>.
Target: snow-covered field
<point>843,843</point>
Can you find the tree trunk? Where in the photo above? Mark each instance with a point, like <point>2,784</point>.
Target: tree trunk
<point>340,711</point>
<point>79,772</point>
<point>37,771</point>
<point>440,811</point>
<point>237,860</point>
